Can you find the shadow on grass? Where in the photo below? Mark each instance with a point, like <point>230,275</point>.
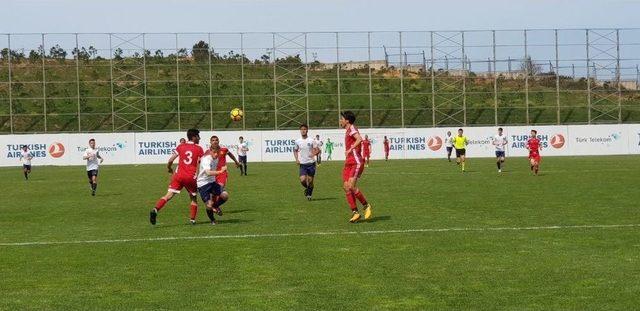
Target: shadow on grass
<point>379,218</point>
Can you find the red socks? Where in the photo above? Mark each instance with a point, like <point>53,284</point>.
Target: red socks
<point>351,199</point>
<point>360,197</point>
<point>193,211</point>
<point>160,204</point>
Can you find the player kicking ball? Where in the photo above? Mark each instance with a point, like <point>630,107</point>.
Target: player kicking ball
<point>220,153</point>
<point>460,144</point>
<point>500,142</point>
<point>208,188</point>
<point>305,152</point>
<point>92,155</point>
<point>188,155</point>
<point>353,167</point>
<point>533,145</point>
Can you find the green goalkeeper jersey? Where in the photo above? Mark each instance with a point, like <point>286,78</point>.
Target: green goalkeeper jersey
<point>328,147</point>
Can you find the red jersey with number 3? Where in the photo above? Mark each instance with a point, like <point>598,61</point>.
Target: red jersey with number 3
<point>189,155</point>
<point>534,147</point>
<point>355,156</point>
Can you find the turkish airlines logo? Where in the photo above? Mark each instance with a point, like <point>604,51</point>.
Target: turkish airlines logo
<point>434,143</point>
<point>56,150</point>
<point>557,141</point>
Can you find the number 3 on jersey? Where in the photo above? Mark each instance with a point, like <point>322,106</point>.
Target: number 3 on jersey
<point>189,157</point>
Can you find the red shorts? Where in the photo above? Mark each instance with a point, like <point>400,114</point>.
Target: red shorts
<point>366,154</point>
<point>536,157</point>
<point>181,181</point>
<point>352,170</point>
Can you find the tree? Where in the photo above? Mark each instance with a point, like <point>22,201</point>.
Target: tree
<point>34,56</point>
<point>530,67</point>
<point>80,54</point>
<point>265,58</point>
<point>92,51</point>
<point>56,52</point>
<point>200,51</point>
<point>117,54</point>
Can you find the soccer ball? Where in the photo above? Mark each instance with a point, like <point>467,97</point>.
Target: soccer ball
<point>236,114</point>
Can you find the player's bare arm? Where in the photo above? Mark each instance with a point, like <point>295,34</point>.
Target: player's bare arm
<point>170,163</point>
<point>295,155</point>
<point>233,157</point>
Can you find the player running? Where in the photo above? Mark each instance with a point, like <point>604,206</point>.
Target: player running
<point>328,148</point>
<point>208,188</point>
<point>385,143</point>
<point>366,150</point>
<point>500,142</point>
<point>92,155</point>
<point>353,167</point>
<point>448,143</point>
<point>533,145</point>
<point>188,155</point>
<point>221,154</point>
<point>319,144</point>
<point>305,153</point>
<point>25,158</point>
<point>243,147</point>
<point>460,143</point>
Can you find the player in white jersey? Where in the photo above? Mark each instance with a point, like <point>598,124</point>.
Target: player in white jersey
<point>500,142</point>
<point>25,158</point>
<point>448,143</point>
<point>305,153</point>
<point>319,143</point>
<point>243,147</point>
<point>206,181</point>
<point>92,155</point>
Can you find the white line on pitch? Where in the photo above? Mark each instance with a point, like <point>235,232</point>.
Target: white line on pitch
<point>276,235</point>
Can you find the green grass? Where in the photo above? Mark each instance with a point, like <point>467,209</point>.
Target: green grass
<point>555,269</point>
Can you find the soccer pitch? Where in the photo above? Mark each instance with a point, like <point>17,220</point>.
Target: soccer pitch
<point>439,239</point>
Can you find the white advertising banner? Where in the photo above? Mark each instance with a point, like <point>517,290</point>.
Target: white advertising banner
<point>553,140</point>
<point>633,132</point>
<point>271,146</point>
<point>599,139</point>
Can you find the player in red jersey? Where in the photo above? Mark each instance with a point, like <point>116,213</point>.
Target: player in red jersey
<point>220,153</point>
<point>189,155</point>
<point>366,150</point>
<point>385,142</point>
<point>533,145</point>
<point>353,166</point>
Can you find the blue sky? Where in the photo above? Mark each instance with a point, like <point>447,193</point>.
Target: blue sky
<point>319,15</point>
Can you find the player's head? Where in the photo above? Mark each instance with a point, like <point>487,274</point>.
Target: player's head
<point>347,118</point>
<point>500,131</point>
<point>241,138</point>
<point>182,140</point>
<point>366,136</point>
<point>385,137</point>
<point>24,147</point>
<point>448,133</point>
<point>460,131</point>
<point>534,133</point>
<point>304,129</point>
<point>317,136</point>
<point>193,135</point>
<point>214,142</point>
<point>92,143</point>
<point>329,139</point>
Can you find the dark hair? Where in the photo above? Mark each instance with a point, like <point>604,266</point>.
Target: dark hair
<point>23,146</point>
<point>241,137</point>
<point>499,129</point>
<point>304,125</point>
<point>92,140</point>
<point>191,133</point>
<point>460,130</point>
<point>349,116</point>
<point>534,131</point>
<point>214,136</point>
